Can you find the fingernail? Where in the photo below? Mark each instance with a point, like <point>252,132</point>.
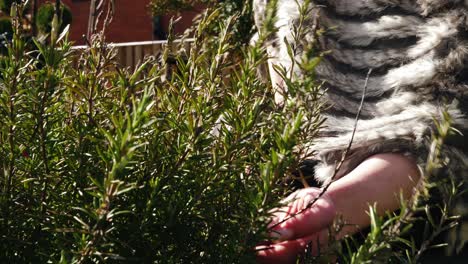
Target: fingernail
<point>281,234</point>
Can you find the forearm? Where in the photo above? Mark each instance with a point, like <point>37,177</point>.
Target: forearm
<point>379,179</point>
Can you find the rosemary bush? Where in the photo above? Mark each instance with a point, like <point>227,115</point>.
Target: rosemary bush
<point>100,163</point>
<point>105,164</point>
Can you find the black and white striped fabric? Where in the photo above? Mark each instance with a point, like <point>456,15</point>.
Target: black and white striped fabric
<point>418,51</point>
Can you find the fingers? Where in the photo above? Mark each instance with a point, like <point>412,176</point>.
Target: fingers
<point>293,222</point>
<point>287,251</point>
<point>297,225</point>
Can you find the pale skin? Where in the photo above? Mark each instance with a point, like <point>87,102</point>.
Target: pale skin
<point>379,179</point>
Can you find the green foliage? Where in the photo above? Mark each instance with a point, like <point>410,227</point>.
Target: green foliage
<point>45,15</point>
<point>6,27</point>
<point>105,164</point>
<point>242,29</point>
<point>163,7</point>
<point>5,5</point>
<point>6,30</point>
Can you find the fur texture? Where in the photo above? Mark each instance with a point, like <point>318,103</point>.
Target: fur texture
<point>419,53</point>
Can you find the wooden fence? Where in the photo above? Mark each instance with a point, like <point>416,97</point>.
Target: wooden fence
<point>130,54</point>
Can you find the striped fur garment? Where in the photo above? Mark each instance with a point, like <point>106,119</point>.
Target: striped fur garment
<point>418,50</point>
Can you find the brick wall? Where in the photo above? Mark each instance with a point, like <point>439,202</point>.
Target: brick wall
<point>132,21</point>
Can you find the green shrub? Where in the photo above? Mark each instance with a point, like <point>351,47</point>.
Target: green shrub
<point>45,14</point>
<point>100,164</point>
<point>6,26</point>
<point>5,5</point>
<point>105,164</point>
<point>242,30</point>
<point>6,30</point>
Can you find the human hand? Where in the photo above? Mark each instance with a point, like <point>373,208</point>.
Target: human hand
<point>294,226</point>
